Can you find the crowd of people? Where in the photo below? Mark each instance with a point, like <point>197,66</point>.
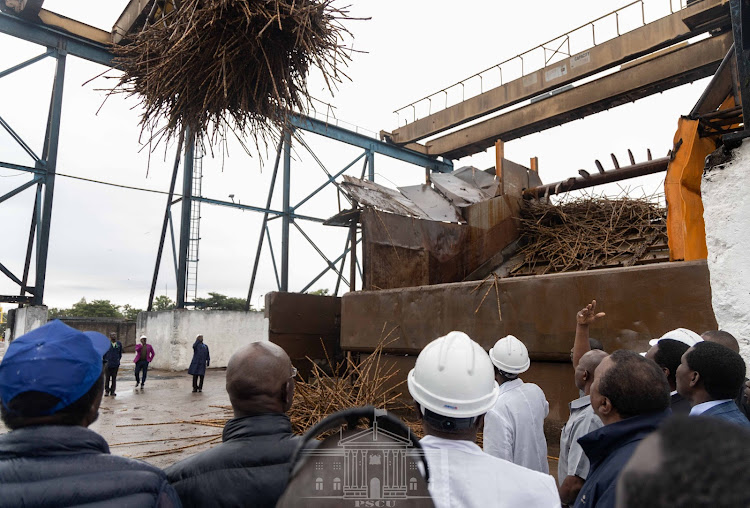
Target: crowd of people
<point>668,427</point>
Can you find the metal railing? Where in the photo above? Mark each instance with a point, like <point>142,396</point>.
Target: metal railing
<point>559,46</point>
<point>329,117</point>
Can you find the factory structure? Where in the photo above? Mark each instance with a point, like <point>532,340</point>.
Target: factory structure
<point>455,250</point>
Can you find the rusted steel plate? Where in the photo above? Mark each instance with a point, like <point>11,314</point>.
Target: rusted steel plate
<point>641,302</point>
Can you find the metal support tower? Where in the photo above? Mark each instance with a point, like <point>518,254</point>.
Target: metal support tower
<point>740,10</point>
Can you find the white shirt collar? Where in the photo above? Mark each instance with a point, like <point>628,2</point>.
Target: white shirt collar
<point>705,406</point>
<point>510,385</point>
<point>674,392</point>
<point>454,444</point>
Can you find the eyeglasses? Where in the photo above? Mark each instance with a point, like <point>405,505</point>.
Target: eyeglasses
<point>294,372</point>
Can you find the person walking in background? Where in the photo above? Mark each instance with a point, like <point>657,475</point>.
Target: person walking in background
<point>144,354</point>
<point>201,360</point>
<point>112,359</point>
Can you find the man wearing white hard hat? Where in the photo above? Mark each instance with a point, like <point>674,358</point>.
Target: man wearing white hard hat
<point>453,386</point>
<point>514,427</point>
<point>681,335</point>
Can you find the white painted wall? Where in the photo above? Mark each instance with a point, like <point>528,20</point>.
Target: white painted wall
<point>172,334</point>
<point>29,318</point>
<point>727,216</point>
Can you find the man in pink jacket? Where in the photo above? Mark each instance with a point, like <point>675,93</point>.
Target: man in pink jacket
<point>144,353</point>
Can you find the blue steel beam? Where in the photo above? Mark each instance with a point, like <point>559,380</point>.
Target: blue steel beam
<point>286,218</point>
<point>52,38</point>
<point>18,167</point>
<point>353,138</point>
<point>18,139</point>
<point>49,164</point>
<point>325,270</point>
<point>331,179</point>
<point>20,188</point>
<point>18,67</point>
<point>251,208</point>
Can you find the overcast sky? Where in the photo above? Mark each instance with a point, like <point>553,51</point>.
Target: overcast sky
<point>104,239</point>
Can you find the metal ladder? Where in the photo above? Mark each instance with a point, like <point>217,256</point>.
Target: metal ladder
<point>191,283</point>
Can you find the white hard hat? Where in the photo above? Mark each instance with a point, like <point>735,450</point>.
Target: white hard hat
<point>510,355</point>
<point>680,334</point>
<point>143,336</point>
<point>454,377</point>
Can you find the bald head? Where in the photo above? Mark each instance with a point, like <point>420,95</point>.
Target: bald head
<point>726,339</point>
<point>584,374</point>
<point>592,359</point>
<point>259,380</point>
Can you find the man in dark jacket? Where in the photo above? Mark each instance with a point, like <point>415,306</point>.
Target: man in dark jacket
<point>710,376</point>
<point>112,360</point>
<point>727,339</point>
<point>201,360</point>
<point>51,386</point>
<point>631,396</point>
<point>252,464</point>
<point>667,353</point>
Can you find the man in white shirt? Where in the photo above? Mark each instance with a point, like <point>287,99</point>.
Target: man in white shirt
<point>514,427</point>
<point>573,465</point>
<point>453,386</point>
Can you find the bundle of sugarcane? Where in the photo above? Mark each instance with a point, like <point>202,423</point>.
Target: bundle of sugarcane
<point>590,232</point>
<point>230,65</point>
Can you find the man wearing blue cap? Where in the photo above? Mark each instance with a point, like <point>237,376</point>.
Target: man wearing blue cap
<point>51,385</point>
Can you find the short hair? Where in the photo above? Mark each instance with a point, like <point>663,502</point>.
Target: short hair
<point>24,409</point>
<point>704,462</point>
<point>721,337</point>
<point>634,385</point>
<point>669,354</point>
<point>595,344</point>
<point>721,369</point>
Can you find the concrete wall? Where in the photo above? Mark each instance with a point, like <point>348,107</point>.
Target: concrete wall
<point>726,212</point>
<point>125,330</point>
<point>172,334</point>
<point>28,318</point>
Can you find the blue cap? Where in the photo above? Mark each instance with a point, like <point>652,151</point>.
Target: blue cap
<point>54,359</point>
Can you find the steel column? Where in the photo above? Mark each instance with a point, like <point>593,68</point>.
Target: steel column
<point>165,222</point>
<point>286,219</point>
<point>264,225</point>
<point>49,164</point>
<point>740,10</point>
<point>371,165</point>
<point>187,190</point>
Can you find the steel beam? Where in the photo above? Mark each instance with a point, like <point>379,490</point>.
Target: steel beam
<point>18,67</point>
<point>56,38</point>
<point>49,164</point>
<point>165,222</point>
<point>286,218</point>
<point>615,175</point>
<point>741,29</point>
<point>353,138</point>
<point>669,70</point>
<point>187,191</point>
<point>652,37</point>
<point>264,225</point>
<point>20,188</point>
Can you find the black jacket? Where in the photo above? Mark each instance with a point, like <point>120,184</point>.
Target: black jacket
<point>679,405</point>
<point>609,448</point>
<point>113,355</point>
<point>250,468</point>
<point>52,466</point>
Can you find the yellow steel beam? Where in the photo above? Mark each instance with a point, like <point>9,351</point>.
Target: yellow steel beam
<point>687,64</point>
<point>74,27</point>
<point>686,23</point>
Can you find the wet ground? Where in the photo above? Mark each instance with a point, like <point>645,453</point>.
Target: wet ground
<point>154,414</point>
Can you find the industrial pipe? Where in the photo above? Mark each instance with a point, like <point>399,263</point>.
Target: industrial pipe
<point>615,175</point>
